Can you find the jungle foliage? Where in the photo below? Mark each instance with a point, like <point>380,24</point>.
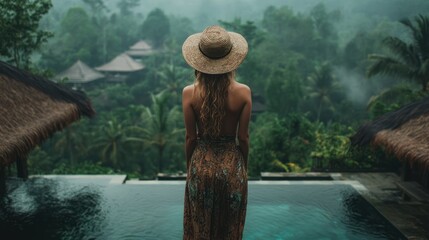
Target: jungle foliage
<point>309,86</point>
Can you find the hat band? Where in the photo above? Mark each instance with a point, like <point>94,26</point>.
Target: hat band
<point>211,57</point>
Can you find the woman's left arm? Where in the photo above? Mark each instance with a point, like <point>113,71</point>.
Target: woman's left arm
<point>190,124</point>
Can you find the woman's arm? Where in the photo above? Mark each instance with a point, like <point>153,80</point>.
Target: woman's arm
<point>190,124</point>
<point>243,125</point>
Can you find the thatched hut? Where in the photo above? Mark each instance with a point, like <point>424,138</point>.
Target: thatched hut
<point>140,49</point>
<point>79,73</point>
<point>404,133</point>
<point>32,109</point>
<point>118,69</point>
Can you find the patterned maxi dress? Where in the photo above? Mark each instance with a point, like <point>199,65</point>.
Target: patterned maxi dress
<point>216,191</point>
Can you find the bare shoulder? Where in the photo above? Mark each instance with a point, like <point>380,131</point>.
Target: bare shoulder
<point>188,90</point>
<point>241,89</point>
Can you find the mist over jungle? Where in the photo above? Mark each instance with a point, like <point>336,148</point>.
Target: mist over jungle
<point>308,67</point>
<point>354,17</point>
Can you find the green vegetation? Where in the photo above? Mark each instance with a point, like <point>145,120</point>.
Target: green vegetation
<point>410,60</point>
<point>19,29</point>
<point>307,70</point>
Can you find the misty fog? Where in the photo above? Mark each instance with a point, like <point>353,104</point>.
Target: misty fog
<point>307,66</point>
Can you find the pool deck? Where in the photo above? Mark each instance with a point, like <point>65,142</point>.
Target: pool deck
<point>411,217</point>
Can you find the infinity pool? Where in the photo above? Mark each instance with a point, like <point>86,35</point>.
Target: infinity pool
<point>95,208</point>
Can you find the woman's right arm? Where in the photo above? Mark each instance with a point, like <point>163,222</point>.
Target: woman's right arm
<point>243,125</point>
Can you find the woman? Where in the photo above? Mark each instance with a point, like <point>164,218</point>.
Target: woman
<point>216,111</point>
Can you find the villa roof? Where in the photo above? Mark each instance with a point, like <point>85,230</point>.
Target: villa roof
<point>121,63</point>
<point>32,109</point>
<point>79,72</point>
<point>140,49</point>
<point>404,133</point>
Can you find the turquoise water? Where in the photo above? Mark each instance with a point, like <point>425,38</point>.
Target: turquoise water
<point>43,208</point>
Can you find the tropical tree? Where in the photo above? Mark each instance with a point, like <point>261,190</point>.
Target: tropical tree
<point>278,139</point>
<point>283,91</point>
<point>180,28</point>
<point>160,128</point>
<point>111,141</point>
<point>19,29</point>
<point>173,78</point>
<point>392,99</point>
<point>406,60</point>
<point>122,28</point>
<point>100,20</point>
<point>292,31</point>
<point>325,32</point>
<point>156,27</point>
<point>248,29</point>
<point>126,6</point>
<point>77,39</point>
<point>253,71</point>
<point>69,144</point>
<point>322,88</point>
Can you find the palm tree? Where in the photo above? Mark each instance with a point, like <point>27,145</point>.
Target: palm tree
<point>408,60</point>
<point>173,78</point>
<point>322,87</point>
<point>112,142</point>
<point>69,144</point>
<point>160,130</point>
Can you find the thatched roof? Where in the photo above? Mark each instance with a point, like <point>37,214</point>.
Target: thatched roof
<point>79,72</point>
<point>121,63</point>
<point>32,109</point>
<point>404,133</point>
<point>140,49</point>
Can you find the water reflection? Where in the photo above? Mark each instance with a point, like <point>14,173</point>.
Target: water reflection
<point>47,208</point>
<point>360,216</point>
<point>42,208</point>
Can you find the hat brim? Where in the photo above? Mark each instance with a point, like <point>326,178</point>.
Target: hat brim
<point>196,59</point>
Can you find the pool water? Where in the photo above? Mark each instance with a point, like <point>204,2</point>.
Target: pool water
<point>62,208</point>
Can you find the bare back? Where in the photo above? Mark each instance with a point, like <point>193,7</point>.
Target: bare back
<point>237,118</point>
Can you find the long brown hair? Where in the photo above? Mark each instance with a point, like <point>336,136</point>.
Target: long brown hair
<point>213,90</point>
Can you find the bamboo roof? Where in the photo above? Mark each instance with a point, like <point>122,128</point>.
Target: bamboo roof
<point>121,63</point>
<point>140,49</point>
<point>404,133</point>
<point>32,109</point>
<point>79,72</point>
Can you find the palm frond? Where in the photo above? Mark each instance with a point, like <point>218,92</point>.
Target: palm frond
<point>405,52</point>
<point>134,139</point>
<point>407,22</point>
<point>388,94</point>
<point>281,165</point>
<point>422,36</point>
<point>389,66</point>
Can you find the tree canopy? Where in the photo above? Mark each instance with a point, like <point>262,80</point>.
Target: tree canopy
<point>409,60</point>
<point>19,29</point>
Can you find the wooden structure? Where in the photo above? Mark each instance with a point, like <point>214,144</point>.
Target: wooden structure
<point>79,73</point>
<point>140,49</point>
<point>32,109</point>
<point>404,133</point>
<point>118,68</point>
<point>121,64</point>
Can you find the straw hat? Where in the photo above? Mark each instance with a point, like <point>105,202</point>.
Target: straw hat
<point>215,51</point>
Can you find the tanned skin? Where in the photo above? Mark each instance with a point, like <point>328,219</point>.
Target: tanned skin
<point>238,111</point>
